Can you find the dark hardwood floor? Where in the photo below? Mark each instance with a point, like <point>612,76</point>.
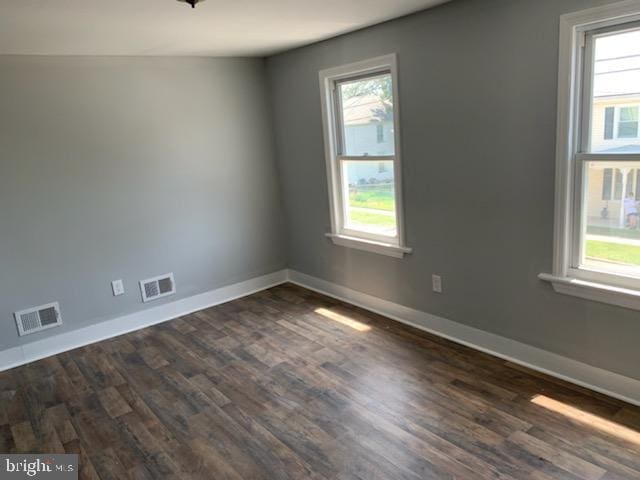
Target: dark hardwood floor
<point>289,384</point>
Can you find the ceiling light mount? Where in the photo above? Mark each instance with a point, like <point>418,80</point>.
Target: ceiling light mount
<point>191,2</point>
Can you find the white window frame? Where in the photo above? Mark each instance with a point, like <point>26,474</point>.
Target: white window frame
<point>568,276</point>
<point>392,246</point>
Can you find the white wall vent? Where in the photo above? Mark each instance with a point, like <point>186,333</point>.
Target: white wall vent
<point>157,287</point>
<point>37,319</point>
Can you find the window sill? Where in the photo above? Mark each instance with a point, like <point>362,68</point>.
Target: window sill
<point>369,245</point>
<point>598,292</point>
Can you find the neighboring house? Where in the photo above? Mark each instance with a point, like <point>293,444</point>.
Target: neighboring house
<point>616,129</point>
<point>368,125</point>
<point>370,173</point>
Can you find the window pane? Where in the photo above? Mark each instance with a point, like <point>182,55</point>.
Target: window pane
<point>367,116</point>
<point>628,130</point>
<point>616,94</point>
<point>629,114</point>
<point>371,205</point>
<point>611,240</point>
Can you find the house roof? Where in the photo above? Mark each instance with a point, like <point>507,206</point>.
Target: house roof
<point>364,109</point>
<point>623,149</point>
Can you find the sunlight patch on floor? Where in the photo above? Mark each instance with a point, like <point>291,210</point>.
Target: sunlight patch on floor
<point>587,418</point>
<point>344,320</point>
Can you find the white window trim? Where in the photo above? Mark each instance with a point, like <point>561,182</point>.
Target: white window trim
<point>394,247</point>
<point>565,279</point>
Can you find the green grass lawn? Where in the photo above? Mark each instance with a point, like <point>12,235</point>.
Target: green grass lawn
<point>614,252</point>
<point>373,219</point>
<point>378,197</point>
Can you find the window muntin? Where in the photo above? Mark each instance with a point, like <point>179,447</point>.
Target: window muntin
<point>361,133</point>
<point>607,232</point>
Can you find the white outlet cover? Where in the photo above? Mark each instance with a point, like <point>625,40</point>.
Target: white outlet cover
<point>436,281</point>
<point>118,288</point>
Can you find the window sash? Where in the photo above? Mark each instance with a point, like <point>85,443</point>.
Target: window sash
<point>338,119</point>
<point>586,82</point>
<point>607,157</point>
<point>627,277</point>
<point>591,273</point>
<point>344,205</point>
<point>366,158</point>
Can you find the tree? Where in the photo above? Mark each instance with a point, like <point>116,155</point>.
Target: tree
<point>380,87</point>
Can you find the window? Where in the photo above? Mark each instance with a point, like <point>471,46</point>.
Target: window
<point>360,113</point>
<point>622,122</point>
<point>597,229</point>
<point>628,122</point>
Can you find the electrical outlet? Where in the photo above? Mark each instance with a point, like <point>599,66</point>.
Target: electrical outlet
<point>436,281</point>
<point>118,288</point>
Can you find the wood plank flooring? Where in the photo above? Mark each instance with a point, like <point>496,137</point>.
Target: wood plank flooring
<point>289,384</point>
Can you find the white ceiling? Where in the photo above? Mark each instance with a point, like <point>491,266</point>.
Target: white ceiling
<point>168,27</point>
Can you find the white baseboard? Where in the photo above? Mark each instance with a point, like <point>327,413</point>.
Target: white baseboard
<point>47,347</point>
<point>593,378</point>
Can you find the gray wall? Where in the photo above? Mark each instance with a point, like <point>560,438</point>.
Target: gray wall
<point>130,168</point>
<point>478,81</point>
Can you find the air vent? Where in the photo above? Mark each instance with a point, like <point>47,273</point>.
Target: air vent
<point>157,287</point>
<point>40,318</point>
